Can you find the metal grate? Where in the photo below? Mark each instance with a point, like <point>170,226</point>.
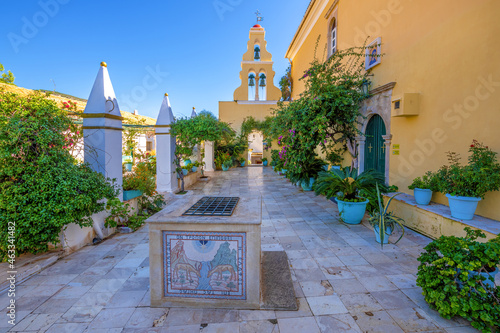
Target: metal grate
<point>213,206</point>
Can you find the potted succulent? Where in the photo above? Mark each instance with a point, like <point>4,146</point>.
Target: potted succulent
<point>466,185</point>
<point>242,162</point>
<point>350,190</point>
<point>423,187</point>
<point>264,161</point>
<point>381,219</point>
<point>456,275</point>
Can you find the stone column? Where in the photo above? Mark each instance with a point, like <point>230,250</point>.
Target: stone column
<point>102,135</point>
<point>209,156</point>
<point>166,176</point>
<point>387,142</point>
<point>361,140</point>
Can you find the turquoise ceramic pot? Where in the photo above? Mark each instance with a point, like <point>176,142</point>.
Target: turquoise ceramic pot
<point>224,168</point>
<point>264,163</point>
<point>186,162</point>
<point>128,166</point>
<point>462,208</point>
<point>307,186</point>
<point>352,212</point>
<point>129,195</point>
<point>388,232</point>
<point>422,196</point>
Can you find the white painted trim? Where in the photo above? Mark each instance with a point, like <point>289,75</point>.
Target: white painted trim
<point>258,102</point>
<point>303,32</point>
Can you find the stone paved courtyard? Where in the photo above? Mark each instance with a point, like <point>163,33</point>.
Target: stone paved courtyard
<point>343,280</point>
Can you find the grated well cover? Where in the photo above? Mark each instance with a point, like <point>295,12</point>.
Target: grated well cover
<point>213,206</point>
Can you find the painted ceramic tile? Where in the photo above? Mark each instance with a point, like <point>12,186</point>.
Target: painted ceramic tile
<point>204,264</point>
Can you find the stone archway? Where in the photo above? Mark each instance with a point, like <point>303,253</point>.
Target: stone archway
<point>255,147</point>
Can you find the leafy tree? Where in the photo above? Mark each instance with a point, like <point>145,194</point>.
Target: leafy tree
<point>190,132</point>
<point>286,85</point>
<point>6,77</point>
<point>42,187</point>
<point>327,114</point>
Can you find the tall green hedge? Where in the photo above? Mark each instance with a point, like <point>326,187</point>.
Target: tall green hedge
<point>42,187</point>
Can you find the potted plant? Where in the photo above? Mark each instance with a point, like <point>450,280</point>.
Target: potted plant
<point>195,165</point>
<point>423,187</point>
<point>456,275</point>
<point>226,165</point>
<point>466,185</point>
<point>242,162</point>
<point>381,219</point>
<point>306,174</point>
<point>264,161</point>
<point>350,190</point>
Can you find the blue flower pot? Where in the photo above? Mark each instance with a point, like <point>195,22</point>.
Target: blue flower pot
<point>224,168</point>
<point>351,212</point>
<point>422,196</point>
<point>185,172</point>
<point>388,232</point>
<point>462,208</point>
<point>273,167</point>
<point>283,171</point>
<point>194,169</point>
<point>307,186</point>
<point>243,163</point>
<point>264,163</point>
<point>487,275</point>
<point>129,195</point>
<point>128,166</point>
<point>186,162</point>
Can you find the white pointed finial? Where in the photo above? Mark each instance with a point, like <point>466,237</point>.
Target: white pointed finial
<point>165,116</point>
<point>102,98</point>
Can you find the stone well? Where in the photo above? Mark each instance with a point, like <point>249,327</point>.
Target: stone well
<point>206,261</point>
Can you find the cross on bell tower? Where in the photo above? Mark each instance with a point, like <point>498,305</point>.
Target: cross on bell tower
<point>259,18</point>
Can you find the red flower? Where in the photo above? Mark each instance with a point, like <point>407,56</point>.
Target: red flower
<point>472,145</point>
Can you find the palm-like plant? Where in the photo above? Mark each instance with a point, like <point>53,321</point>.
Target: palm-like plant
<point>347,185</point>
<point>386,221</point>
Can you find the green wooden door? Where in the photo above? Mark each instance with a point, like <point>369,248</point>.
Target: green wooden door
<point>375,144</point>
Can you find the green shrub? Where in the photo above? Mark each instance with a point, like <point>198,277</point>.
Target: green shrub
<point>427,181</point>
<point>480,175</point>
<point>42,187</point>
<point>448,285</point>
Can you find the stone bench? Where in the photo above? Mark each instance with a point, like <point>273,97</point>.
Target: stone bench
<point>435,219</point>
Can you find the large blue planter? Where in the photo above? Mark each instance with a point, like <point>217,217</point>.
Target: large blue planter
<point>186,162</point>
<point>128,166</point>
<point>388,232</point>
<point>129,195</point>
<point>185,172</point>
<point>351,212</point>
<point>264,163</point>
<point>224,168</point>
<point>243,163</point>
<point>462,208</point>
<point>422,196</point>
<point>307,186</point>
<point>487,275</point>
<point>194,169</point>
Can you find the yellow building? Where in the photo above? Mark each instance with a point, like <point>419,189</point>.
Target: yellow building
<point>434,90</point>
<point>256,96</point>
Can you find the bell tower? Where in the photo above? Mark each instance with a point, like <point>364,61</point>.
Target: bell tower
<point>257,75</point>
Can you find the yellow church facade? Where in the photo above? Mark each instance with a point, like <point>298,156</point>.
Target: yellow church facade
<point>257,95</point>
<point>435,89</point>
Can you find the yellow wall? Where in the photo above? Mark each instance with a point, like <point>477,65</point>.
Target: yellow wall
<point>447,52</point>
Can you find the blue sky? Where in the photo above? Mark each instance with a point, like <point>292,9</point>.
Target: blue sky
<point>190,49</point>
